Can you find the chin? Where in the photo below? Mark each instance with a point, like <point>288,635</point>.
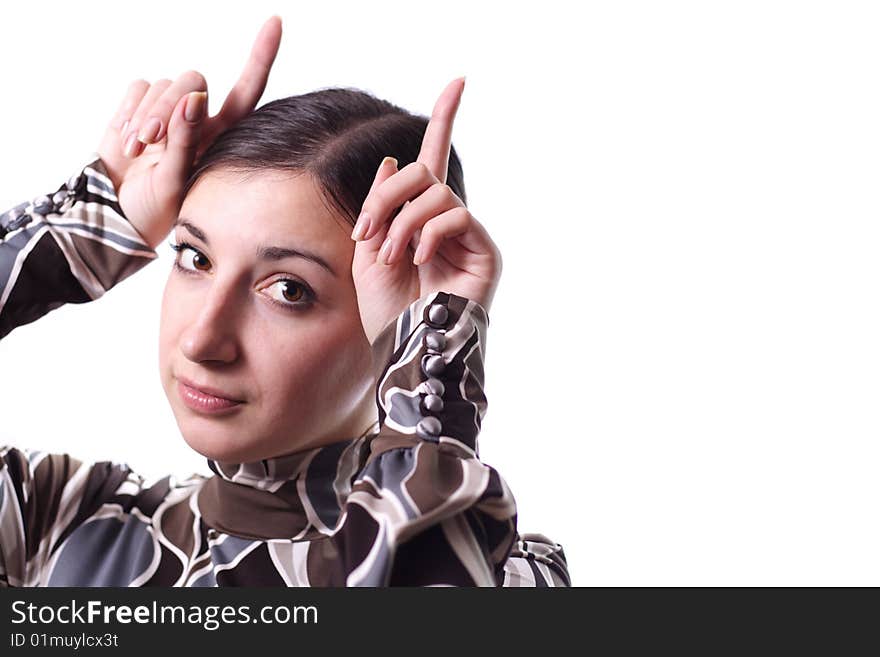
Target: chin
<point>213,438</point>
<point>218,448</point>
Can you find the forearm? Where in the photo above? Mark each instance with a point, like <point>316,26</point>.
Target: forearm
<point>425,510</point>
<point>68,246</point>
<point>430,373</point>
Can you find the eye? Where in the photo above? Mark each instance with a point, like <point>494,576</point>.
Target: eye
<point>184,246</point>
<point>292,292</point>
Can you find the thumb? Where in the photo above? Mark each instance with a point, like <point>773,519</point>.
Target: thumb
<point>184,131</point>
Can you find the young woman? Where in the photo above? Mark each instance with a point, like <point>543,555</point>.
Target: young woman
<point>332,377</point>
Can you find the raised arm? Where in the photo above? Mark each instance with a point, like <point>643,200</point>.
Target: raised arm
<point>70,245</point>
<point>425,510</point>
<point>73,244</point>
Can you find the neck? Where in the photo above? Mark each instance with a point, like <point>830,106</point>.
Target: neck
<point>295,496</point>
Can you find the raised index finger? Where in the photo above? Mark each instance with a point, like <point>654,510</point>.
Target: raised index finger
<point>250,86</point>
<point>438,135</point>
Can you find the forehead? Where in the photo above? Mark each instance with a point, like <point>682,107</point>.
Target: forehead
<point>265,207</point>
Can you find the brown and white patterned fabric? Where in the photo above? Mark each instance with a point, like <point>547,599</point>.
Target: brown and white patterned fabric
<point>408,503</point>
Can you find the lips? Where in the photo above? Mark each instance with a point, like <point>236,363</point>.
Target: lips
<point>205,398</point>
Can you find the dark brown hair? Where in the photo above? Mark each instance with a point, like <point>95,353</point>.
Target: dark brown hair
<point>339,135</point>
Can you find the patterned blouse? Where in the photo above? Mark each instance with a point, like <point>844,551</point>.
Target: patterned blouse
<point>407,503</point>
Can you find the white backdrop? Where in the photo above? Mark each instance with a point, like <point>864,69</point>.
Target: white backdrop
<point>682,364</point>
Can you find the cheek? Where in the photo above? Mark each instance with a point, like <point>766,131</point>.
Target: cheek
<point>291,369</point>
<point>317,367</point>
<point>347,363</point>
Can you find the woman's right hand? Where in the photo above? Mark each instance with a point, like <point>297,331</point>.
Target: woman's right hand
<point>149,179</point>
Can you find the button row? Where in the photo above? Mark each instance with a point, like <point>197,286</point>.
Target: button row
<point>433,366</point>
<point>41,205</point>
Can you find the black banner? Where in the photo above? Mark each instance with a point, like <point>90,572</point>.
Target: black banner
<point>387,621</point>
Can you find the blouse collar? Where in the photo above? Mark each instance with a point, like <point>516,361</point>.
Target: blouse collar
<point>298,496</point>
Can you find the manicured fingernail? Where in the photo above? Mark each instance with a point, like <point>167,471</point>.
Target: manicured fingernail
<point>388,159</point>
<point>196,105</point>
<point>417,259</point>
<point>131,145</point>
<point>360,228</point>
<point>385,251</point>
<point>150,130</point>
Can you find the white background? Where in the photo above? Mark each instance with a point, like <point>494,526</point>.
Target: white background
<point>682,363</point>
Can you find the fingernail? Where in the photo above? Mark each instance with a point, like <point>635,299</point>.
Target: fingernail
<point>195,106</point>
<point>124,127</point>
<point>360,228</point>
<point>150,130</point>
<point>387,160</point>
<point>131,145</point>
<point>417,259</point>
<point>385,251</point>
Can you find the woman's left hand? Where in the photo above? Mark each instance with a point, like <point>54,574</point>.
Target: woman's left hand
<point>454,252</point>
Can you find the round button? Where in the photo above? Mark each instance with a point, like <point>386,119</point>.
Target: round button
<point>42,204</point>
<point>433,365</point>
<point>429,428</point>
<point>433,403</point>
<point>437,315</point>
<point>435,341</point>
<point>58,198</point>
<point>435,387</point>
<point>17,219</point>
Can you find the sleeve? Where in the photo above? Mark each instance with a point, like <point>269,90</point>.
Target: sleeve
<point>536,561</point>
<point>68,247</point>
<point>424,510</point>
<point>43,498</point>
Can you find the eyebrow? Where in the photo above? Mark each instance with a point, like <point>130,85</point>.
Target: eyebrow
<point>263,252</point>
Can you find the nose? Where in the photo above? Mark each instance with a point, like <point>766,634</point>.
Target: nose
<point>212,331</point>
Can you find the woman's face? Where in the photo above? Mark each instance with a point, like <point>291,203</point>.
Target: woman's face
<point>280,332</point>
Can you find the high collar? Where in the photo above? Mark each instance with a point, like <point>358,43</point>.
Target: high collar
<point>296,496</point>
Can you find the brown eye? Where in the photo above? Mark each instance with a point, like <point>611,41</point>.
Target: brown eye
<point>292,293</point>
<point>200,261</point>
